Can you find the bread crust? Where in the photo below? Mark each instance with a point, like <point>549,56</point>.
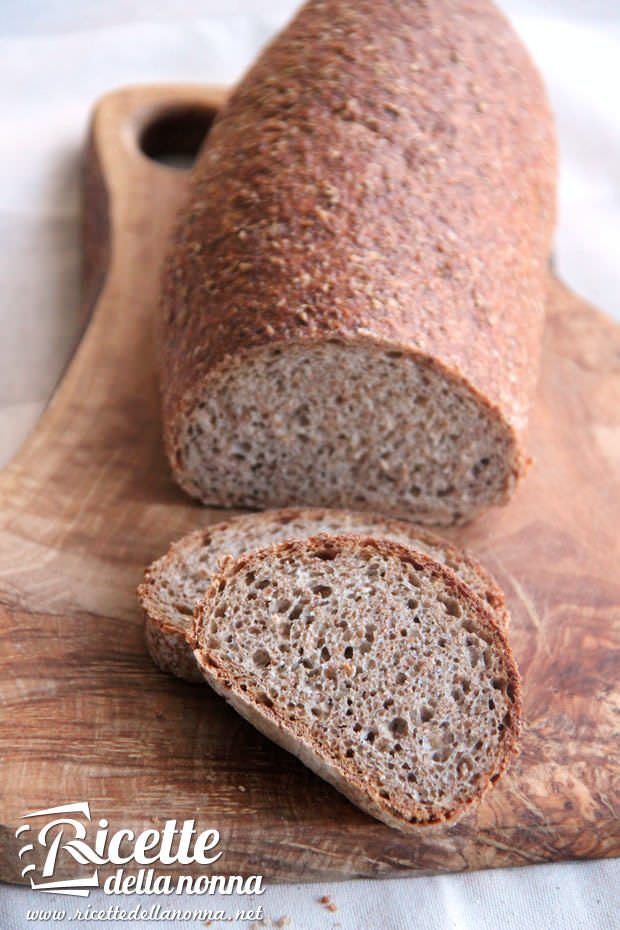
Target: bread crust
<point>296,738</point>
<point>167,642</point>
<point>384,175</point>
<point>168,648</point>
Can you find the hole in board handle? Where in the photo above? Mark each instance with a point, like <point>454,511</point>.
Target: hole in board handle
<point>174,137</point>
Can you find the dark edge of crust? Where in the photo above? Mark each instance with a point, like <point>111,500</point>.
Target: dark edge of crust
<point>170,653</point>
<point>223,679</point>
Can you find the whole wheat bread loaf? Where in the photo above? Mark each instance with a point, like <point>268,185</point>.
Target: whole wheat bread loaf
<point>372,663</point>
<point>175,583</point>
<point>352,307</point>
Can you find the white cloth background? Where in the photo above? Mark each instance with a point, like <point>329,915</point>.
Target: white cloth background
<point>56,58</point>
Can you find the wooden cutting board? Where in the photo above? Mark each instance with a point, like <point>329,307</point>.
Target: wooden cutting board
<point>89,501</point>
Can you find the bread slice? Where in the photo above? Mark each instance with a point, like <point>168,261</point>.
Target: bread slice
<point>175,583</point>
<point>353,304</point>
<point>372,663</point>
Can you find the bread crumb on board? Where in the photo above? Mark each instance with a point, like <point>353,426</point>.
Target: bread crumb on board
<point>327,903</point>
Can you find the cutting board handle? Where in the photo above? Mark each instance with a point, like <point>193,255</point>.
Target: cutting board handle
<point>107,401</point>
<point>141,141</point>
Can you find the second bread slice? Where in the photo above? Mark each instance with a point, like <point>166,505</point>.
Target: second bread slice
<point>175,583</point>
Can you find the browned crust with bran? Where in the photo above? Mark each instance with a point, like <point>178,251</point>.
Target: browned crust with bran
<point>167,644</point>
<point>168,648</point>
<point>295,737</point>
<point>384,174</point>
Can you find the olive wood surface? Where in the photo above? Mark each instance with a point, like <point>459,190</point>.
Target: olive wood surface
<point>89,501</point>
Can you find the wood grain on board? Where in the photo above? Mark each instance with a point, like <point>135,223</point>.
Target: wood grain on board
<point>89,501</point>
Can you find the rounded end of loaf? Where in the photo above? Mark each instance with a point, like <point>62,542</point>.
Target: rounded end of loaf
<point>340,424</point>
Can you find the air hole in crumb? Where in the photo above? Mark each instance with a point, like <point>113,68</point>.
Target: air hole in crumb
<point>323,590</point>
<point>285,630</point>
<point>326,555</point>
<point>348,653</point>
<point>474,655</point>
<point>262,658</point>
<point>453,608</point>
<point>399,726</point>
<point>426,713</point>
<point>465,767</point>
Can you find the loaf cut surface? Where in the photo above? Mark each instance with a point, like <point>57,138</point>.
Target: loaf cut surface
<point>371,662</point>
<point>175,583</point>
<point>353,303</point>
